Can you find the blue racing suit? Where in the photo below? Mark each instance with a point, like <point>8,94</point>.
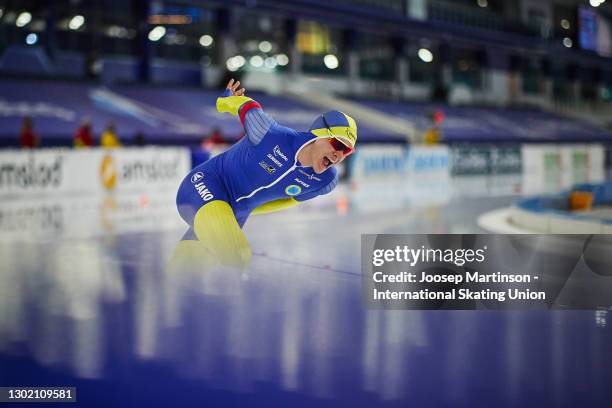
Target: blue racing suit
<point>263,166</point>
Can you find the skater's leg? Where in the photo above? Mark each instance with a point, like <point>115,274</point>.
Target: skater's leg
<point>216,227</point>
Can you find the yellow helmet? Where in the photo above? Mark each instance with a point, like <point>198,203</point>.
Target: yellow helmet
<point>338,125</point>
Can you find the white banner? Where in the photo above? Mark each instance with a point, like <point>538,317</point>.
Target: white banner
<point>383,161</point>
<point>551,168</point>
<point>86,216</point>
<point>91,171</point>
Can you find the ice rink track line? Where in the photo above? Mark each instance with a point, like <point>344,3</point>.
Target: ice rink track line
<point>325,267</point>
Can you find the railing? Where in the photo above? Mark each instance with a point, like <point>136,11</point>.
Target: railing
<point>444,11</point>
<point>396,6</point>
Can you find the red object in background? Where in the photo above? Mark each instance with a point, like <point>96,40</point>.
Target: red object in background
<point>215,138</point>
<point>28,139</point>
<point>438,117</point>
<point>83,136</point>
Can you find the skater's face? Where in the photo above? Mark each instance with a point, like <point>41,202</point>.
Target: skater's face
<point>325,155</point>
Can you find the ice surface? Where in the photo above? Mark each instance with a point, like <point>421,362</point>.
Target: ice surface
<point>86,299</point>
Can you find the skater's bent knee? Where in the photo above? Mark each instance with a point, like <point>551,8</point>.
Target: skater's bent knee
<point>215,225</point>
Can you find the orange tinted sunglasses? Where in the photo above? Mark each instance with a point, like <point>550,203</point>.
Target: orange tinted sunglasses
<point>340,147</point>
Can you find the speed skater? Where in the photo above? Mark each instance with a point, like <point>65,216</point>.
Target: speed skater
<point>270,169</point>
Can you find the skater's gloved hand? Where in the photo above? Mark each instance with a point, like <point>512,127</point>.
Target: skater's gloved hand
<point>232,99</point>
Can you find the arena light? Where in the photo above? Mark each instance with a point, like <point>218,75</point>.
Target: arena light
<point>565,24</point>
<point>256,61</point>
<point>1,12</point>
<point>23,19</point>
<point>482,3</point>
<point>239,61</point>
<point>206,40</point>
<point>76,22</point>
<point>567,42</point>
<point>117,32</point>
<point>31,39</point>
<point>265,46</point>
<point>331,61</point>
<point>596,3</point>
<point>176,39</point>
<point>425,55</point>
<point>157,33</point>
<point>235,63</point>
<point>231,66</point>
<point>270,62</point>
<point>282,59</point>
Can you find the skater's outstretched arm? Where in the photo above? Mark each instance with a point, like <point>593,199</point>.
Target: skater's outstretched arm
<point>255,121</point>
<point>284,203</point>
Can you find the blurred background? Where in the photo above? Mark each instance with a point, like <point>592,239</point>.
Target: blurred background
<point>473,115</point>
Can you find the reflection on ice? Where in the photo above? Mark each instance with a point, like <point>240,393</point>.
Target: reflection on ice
<point>301,328</point>
<point>53,297</point>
